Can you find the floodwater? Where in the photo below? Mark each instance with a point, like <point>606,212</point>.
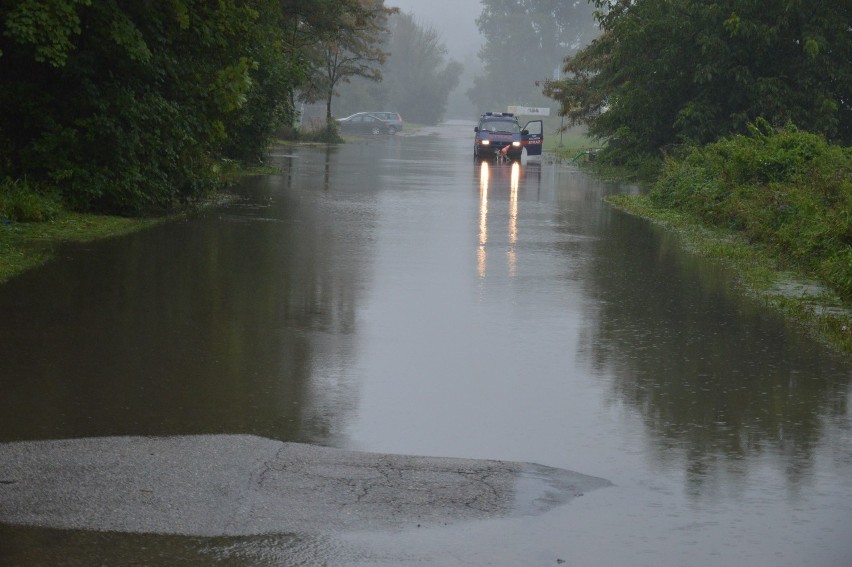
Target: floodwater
<point>394,296</point>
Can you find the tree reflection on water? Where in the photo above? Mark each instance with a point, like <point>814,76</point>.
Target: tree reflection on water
<point>718,380</point>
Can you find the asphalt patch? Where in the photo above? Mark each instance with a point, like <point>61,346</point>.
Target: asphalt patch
<point>230,485</point>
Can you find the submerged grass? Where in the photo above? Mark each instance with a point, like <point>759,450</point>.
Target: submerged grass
<point>34,221</point>
<point>25,245</point>
<point>759,271</point>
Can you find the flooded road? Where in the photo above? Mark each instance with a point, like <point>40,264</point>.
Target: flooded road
<point>394,296</point>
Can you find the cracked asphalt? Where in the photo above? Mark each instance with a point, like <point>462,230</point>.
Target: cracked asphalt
<point>237,485</point>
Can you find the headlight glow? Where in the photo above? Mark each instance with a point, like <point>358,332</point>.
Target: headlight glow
<point>516,143</point>
<point>485,142</point>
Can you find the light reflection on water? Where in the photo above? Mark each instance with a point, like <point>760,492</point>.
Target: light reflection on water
<point>485,180</point>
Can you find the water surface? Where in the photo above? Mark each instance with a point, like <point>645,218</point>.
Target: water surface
<point>392,295</point>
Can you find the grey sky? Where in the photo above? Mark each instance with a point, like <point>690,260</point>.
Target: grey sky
<point>453,19</point>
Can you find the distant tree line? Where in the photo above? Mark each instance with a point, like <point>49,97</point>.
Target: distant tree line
<point>417,77</point>
<point>670,72</point>
<point>125,105</point>
<point>525,44</point>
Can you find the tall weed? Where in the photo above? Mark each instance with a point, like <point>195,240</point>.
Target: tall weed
<point>21,201</point>
<point>786,188</point>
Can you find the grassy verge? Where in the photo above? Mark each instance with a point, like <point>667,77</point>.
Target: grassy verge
<point>773,204</point>
<point>33,225</point>
<point>759,272</point>
<point>25,245</point>
<point>571,144</point>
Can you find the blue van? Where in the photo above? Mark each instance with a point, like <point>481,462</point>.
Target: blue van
<point>499,131</point>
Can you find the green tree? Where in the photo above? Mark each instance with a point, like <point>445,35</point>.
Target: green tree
<point>303,25</point>
<point>348,44</point>
<point>125,104</point>
<point>419,78</point>
<point>525,42</point>
<point>275,74</point>
<point>668,72</point>
<point>129,104</point>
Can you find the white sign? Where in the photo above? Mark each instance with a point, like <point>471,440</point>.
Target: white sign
<point>531,110</point>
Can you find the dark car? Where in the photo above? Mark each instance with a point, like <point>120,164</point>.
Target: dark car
<point>366,123</point>
<point>500,132</point>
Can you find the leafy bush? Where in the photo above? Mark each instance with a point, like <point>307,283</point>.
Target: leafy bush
<point>22,202</point>
<point>788,189</point>
<point>127,107</point>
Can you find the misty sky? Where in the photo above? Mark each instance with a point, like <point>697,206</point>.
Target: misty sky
<point>453,19</point>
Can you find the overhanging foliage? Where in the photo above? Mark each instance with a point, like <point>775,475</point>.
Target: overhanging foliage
<point>669,72</point>
<point>127,105</point>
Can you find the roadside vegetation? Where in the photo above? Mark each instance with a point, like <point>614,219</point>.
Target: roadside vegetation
<point>27,245</point>
<point>740,128</point>
<point>34,221</point>
<point>787,190</point>
<point>131,108</point>
<point>327,134</point>
<point>114,113</point>
<point>571,144</point>
<point>664,74</point>
<point>776,207</point>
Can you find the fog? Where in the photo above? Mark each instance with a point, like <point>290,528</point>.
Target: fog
<point>455,20</point>
<point>480,87</point>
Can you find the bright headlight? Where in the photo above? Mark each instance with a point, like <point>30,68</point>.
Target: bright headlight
<point>485,142</point>
<point>516,144</point>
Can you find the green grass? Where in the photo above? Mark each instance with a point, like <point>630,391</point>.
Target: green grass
<point>25,245</point>
<point>571,144</point>
<point>33,221</point>
<point>28,244</point>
